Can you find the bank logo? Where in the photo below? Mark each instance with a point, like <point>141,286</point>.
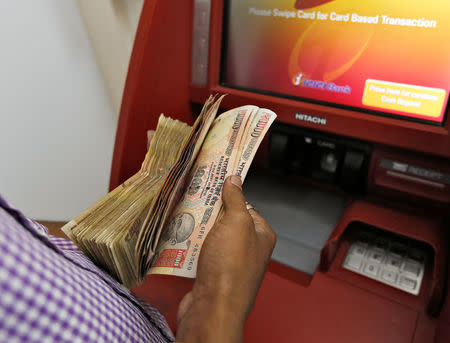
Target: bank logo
<point>302,81</point>
<point>297,79</point>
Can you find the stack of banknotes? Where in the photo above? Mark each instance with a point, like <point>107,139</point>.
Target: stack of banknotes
<point>157,220</point>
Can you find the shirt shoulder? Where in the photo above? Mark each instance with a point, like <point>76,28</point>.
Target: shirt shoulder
<point>47,282</point>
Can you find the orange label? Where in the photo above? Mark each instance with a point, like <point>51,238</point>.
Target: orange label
<point>425,101</point>
<point>173,258</point>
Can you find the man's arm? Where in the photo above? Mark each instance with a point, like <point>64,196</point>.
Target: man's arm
<point>231,267</point>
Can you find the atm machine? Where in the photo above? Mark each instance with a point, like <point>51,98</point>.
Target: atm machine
<point>354,175</point>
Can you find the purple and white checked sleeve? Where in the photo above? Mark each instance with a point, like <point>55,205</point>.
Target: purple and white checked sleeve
<point>51,292</point>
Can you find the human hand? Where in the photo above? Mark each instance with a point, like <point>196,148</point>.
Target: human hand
<point>231,267</point>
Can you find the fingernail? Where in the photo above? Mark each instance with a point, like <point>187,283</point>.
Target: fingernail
<point>236,180</point>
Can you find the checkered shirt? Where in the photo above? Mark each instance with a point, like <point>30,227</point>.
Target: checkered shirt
<point>51,292</point>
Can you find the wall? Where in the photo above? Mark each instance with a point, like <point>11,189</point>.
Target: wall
<point>57,123</point>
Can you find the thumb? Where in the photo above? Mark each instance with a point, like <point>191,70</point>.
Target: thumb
<point>232,197</point>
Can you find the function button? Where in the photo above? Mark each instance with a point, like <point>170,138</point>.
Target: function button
<point>389,276</point>
<point>408,283</point>
<point>354,262</point>
<point>397,250</point>
<point>358,250</point>
<point>412,268</point>
<point>376,256</point>
<point>371,269</point>
<point>393,263</point>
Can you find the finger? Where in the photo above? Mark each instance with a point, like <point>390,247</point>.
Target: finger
<point>263,228</point>
<point>232,197</point>
<point>261,224</point>
<point>184,305</point>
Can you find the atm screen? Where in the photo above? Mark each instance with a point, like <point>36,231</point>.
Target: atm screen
<point>380,56</point>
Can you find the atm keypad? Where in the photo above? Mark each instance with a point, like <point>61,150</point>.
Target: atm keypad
<point>388,261</point>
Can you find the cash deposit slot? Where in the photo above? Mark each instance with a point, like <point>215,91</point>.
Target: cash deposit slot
<point>355,173</point>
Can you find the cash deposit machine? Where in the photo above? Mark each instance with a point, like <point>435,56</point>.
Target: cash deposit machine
<point>354,175</point>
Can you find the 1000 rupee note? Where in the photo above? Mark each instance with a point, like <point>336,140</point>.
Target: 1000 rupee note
<point>97,229</point>
<point>170,192</point>
<point>158,219</point>
<point>228,149</point>
<point>257,128</point>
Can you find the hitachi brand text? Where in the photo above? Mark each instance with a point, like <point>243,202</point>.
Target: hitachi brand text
<point>311,119</point>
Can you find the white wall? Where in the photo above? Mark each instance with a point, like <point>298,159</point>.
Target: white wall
<point>57,123</point>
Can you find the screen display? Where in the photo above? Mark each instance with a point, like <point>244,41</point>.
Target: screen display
<point>384,56</point>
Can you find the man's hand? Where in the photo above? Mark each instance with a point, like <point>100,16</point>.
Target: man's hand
<point>231,267</point>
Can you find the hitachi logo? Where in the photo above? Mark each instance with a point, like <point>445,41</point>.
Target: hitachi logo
<point>311,119</point>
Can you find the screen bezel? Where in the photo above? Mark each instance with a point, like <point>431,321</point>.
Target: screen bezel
<point>384,128</point>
